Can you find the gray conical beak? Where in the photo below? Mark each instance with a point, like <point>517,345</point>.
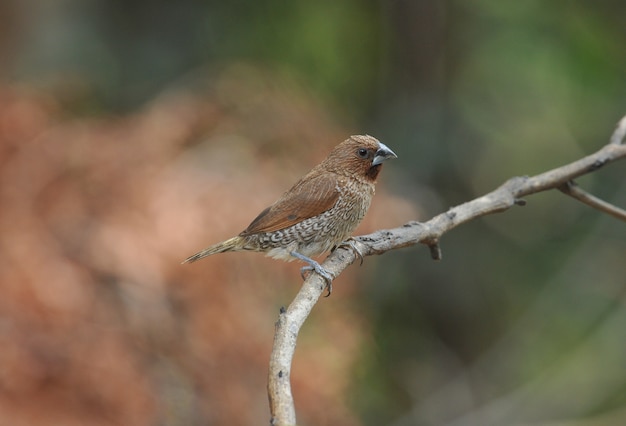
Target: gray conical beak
<point>383,153</point>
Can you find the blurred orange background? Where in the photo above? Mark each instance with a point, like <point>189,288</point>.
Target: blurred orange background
<point>133,134</point>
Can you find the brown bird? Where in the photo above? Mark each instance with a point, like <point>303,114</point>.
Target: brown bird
<point>319,212</point>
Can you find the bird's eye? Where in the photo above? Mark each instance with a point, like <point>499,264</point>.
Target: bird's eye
<point>362,152</point>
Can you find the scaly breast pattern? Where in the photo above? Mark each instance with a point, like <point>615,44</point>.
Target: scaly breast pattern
<point>320,233</point>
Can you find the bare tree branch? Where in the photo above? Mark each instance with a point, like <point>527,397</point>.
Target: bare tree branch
<point>573,190</point>
<point>620,132</point>
<point>509,194</point>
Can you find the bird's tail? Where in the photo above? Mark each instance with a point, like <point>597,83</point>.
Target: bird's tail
<point>235,243</point>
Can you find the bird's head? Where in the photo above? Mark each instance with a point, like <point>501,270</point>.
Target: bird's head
<point>359,156</point>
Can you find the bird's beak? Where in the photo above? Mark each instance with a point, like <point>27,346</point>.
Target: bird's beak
<point>383,153</point>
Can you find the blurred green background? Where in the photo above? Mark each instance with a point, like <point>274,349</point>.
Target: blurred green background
<point>524,319</point>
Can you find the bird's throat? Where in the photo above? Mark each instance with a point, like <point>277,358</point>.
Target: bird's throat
<point>372,172</point>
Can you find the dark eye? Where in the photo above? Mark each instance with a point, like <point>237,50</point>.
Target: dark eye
<point>362,152</point>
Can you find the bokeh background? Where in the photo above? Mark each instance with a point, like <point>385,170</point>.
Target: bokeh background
<point>133,133</point>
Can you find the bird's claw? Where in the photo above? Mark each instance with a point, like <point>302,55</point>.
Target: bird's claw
<point>313,266</point>
<point>328,277</point>
<point>349,243</point>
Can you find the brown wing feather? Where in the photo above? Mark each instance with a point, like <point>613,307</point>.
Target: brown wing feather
<point>309,197</point>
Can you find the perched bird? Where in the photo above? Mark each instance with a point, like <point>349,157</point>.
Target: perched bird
<point>319,212</point>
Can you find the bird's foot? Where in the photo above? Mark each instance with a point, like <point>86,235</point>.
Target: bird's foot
<point>350,243</point>
<point>313,266</point>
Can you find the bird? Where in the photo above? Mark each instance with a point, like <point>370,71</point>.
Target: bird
<point>319,212</point>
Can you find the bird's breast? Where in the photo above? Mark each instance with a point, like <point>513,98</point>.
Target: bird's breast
<point>318,234</point>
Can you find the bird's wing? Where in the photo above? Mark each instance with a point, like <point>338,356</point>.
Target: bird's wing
<point>309,197</point>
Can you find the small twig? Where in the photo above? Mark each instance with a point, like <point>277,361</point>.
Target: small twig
<point>573,190</point>
<point>435,250</point>
<point>620,132</point>
<point>509,194</point>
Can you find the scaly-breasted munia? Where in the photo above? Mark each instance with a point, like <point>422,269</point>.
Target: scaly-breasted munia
<point>319,212</point>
